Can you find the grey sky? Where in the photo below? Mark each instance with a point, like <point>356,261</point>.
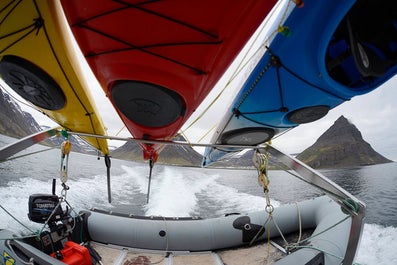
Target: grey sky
<point>374,114</point>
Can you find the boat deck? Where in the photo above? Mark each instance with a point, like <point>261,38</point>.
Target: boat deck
<point>255,255</point>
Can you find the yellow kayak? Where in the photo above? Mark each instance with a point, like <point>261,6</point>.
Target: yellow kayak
<point>38,61</point>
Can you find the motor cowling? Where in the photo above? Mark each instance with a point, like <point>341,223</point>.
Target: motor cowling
<point>44,208</point>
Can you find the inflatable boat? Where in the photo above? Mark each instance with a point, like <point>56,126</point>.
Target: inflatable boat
<point>332,226</point>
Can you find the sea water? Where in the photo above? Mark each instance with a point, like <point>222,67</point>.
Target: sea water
<point>183,191</point>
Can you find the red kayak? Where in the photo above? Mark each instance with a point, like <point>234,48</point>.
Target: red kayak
<point>157,60</point>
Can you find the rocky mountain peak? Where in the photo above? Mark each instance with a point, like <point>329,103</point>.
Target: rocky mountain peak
<point>17,123</point>
<point>342,131</point>
<point>342,145</point>
<point>14,121</point>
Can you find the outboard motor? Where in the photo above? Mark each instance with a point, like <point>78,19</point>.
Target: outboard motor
<point>44,208</point>
<point>47,209</point>
<point>55,240</point>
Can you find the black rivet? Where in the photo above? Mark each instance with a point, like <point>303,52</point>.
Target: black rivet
<point>162,233</point>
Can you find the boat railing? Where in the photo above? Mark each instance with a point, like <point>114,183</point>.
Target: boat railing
<point>349,203</point>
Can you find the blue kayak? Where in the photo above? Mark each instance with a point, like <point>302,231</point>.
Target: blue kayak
<point>325,53</point>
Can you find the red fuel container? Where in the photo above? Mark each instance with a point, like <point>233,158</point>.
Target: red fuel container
<point>75,254</point>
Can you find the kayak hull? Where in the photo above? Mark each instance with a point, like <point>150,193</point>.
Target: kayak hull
<point>307,70</point>
<point>38,61</point>
<point>157,61</point>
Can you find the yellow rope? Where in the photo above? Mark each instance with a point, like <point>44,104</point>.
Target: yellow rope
<point>205,135</point>
<point>182,133</point>
<point>66,147</point>
<point>243,63</point>
<point>263,180</point>
<point>122,128</point>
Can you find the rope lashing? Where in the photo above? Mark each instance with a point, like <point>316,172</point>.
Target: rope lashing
<point>65,151</point>
<point>66,147</point>
<point>261,163</point>
<point>350,204</point>
<point>283,30</point>
<point>245,63</point>
<point>299,3</point>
